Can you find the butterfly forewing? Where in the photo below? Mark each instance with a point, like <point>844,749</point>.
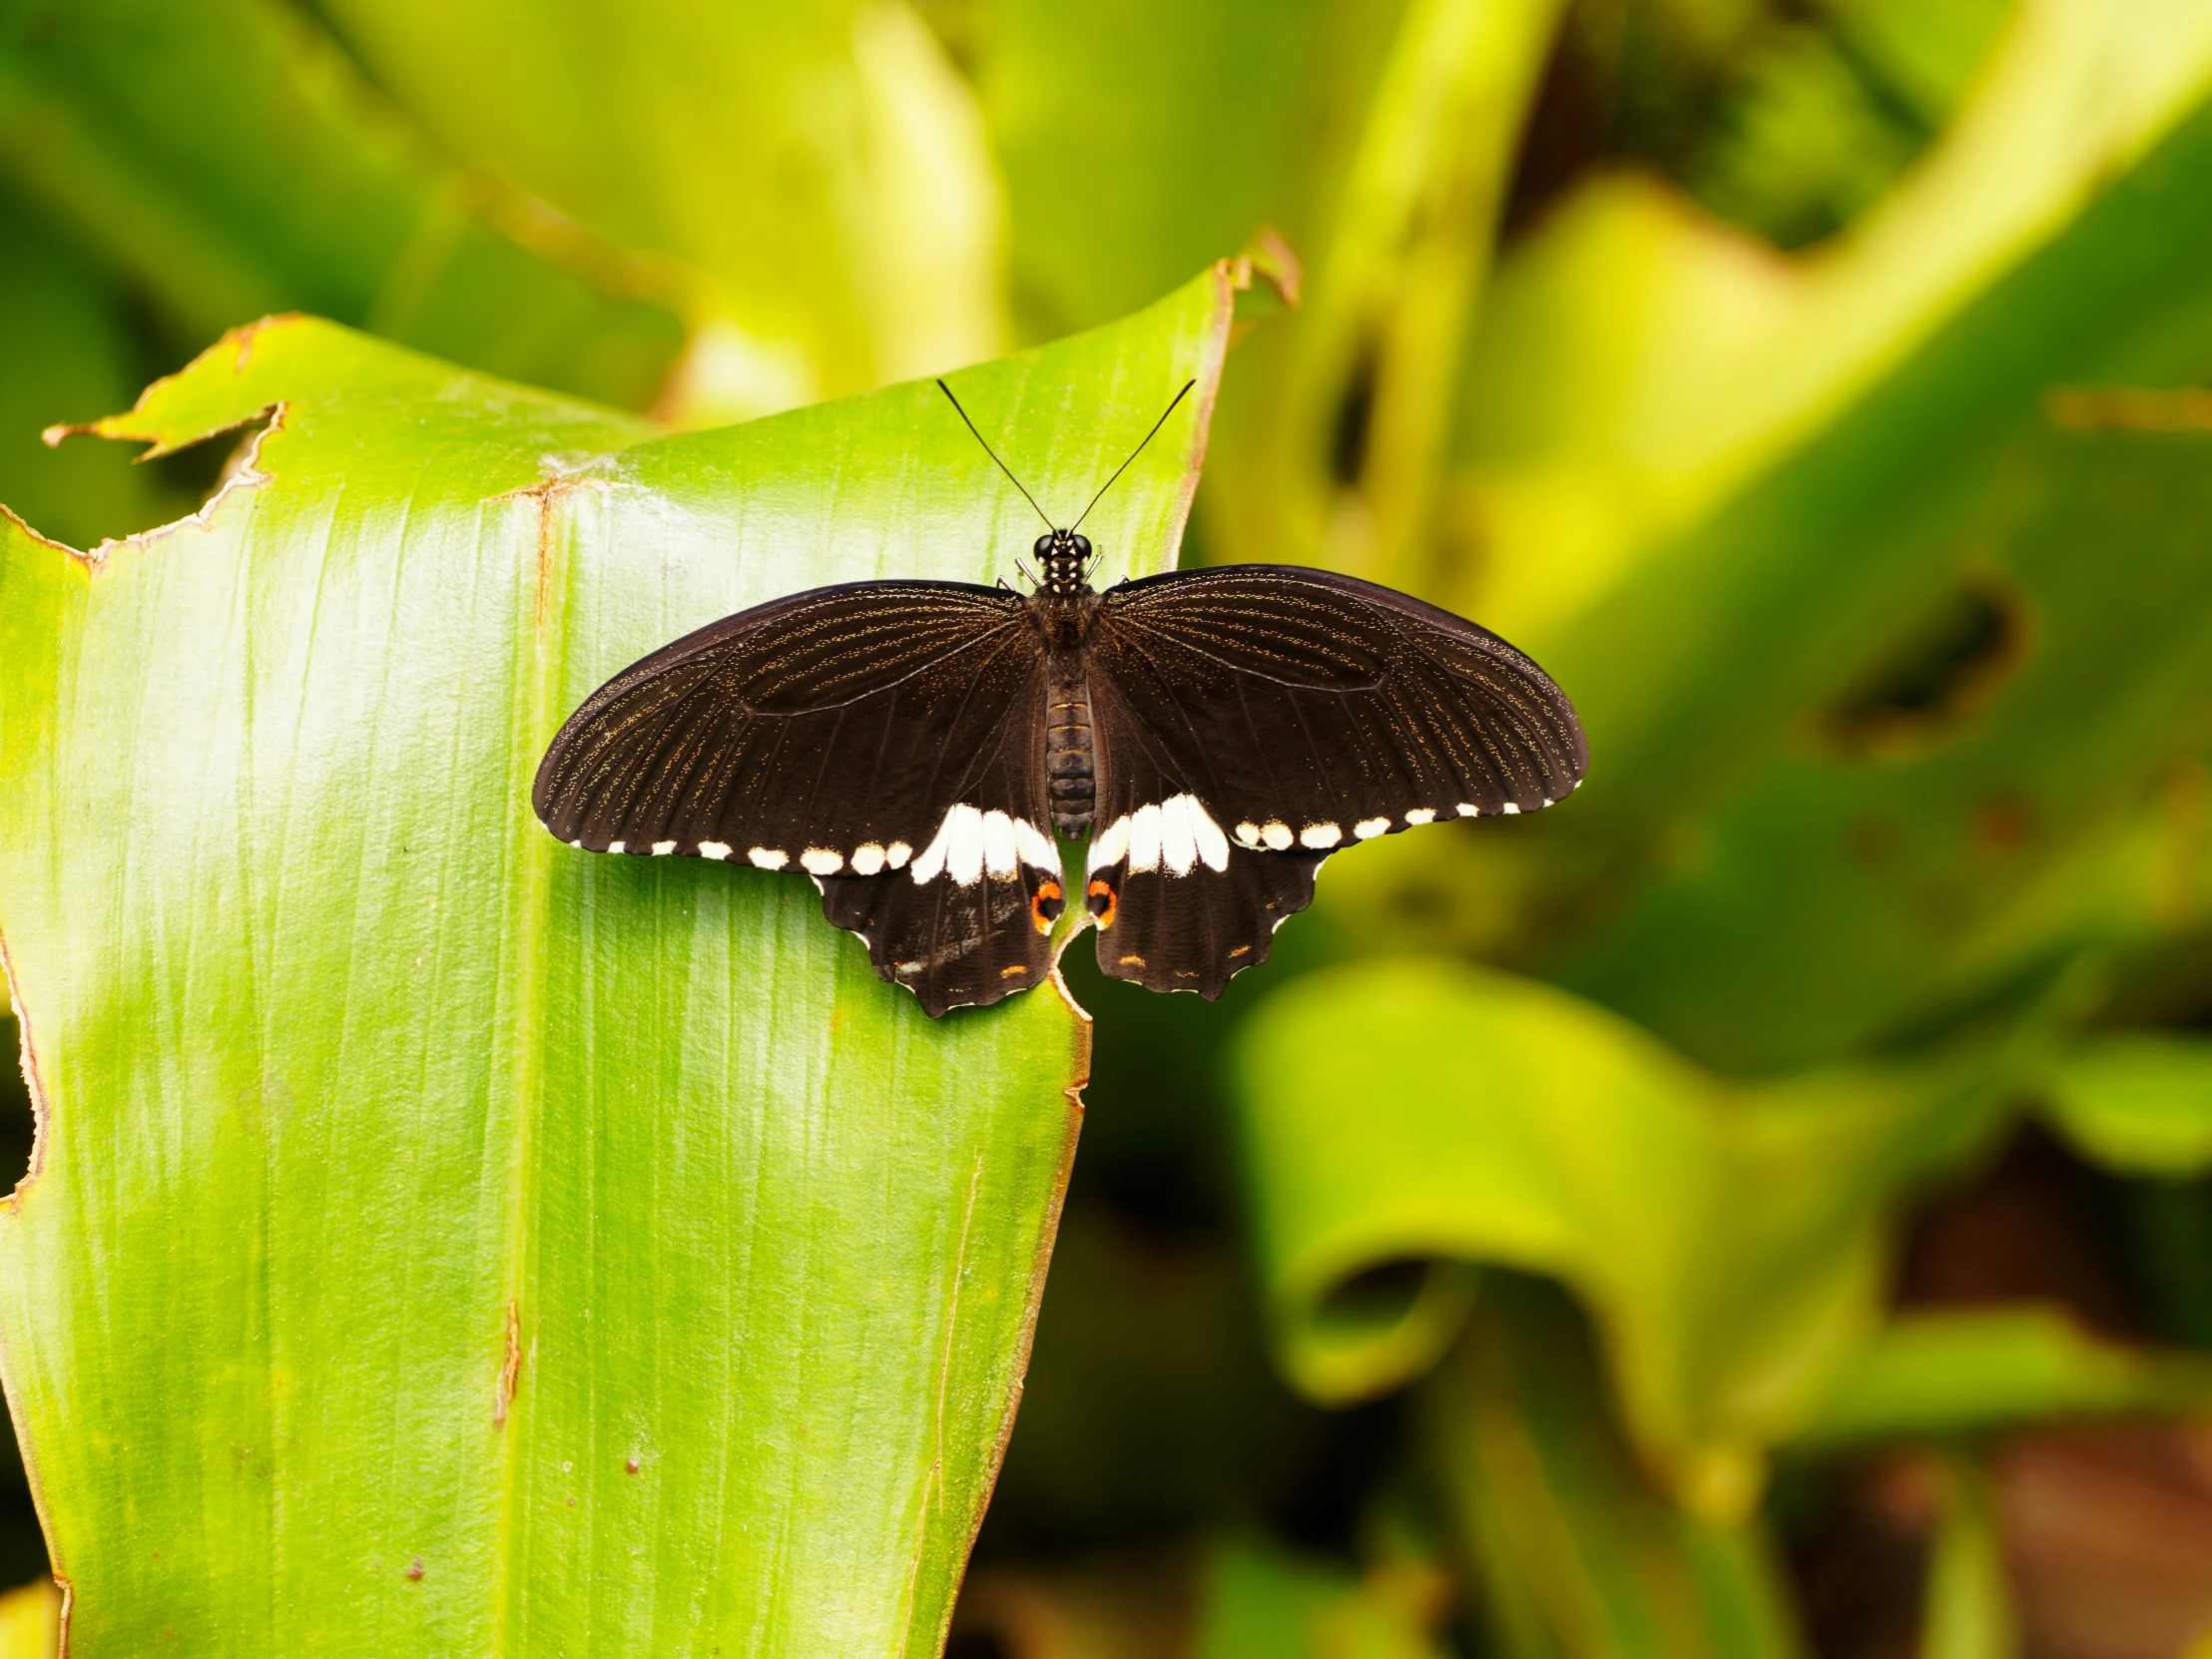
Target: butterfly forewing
<point>882,737</point>
<point>1306,703</point>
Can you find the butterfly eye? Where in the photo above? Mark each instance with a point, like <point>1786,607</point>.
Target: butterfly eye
<point>1083,546</point>
<point>1044,546</point>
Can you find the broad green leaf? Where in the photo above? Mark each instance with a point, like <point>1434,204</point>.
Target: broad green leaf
<point>1698,670</point>
<point>1406,1118</point>
<point>1974,801</point>
<point>440,1239</point>
<point>1193,128</point>
<point>819,167</point>
<point>2142,1105</point>
<point>1933,1375</point>
<point>229,160</point>
<point>1576,1556</point>
<point>1662,425</point>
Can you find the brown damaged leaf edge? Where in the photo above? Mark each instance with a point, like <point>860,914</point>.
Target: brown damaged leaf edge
<point>245,477</point>
<point>1047,1235</point>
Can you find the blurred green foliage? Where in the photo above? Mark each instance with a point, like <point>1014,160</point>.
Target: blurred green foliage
<point>1598,1234</point>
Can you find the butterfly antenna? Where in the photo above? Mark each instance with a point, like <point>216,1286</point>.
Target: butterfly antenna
<point>993,454</point>
<point>1134,453</point>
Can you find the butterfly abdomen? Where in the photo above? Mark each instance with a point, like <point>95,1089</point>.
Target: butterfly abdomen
<point>1070,757</point>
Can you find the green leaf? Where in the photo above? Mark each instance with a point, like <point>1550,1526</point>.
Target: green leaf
<point>69,359</point>
<point>1191,133</point>
<point>1933,1375</point>
<point>1642,367</point>
<point>1981,794</point>
<point>819,167</point>
<point>1259,1602</point>
<point>1969,1601</point>
<point>1576,1555</point>
<point>228,161</point>
<point>439,1240</point>
<point>1333,446</point>
<point>1407,1117</point>
<point>2142,1105</point>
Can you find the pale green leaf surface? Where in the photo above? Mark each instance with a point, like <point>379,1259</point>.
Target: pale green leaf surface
<point>229,160</point>
<point>1727,1244</point>
<point>2142,1105</point>
<point>441,1240</point>
<point>1982,1369</point>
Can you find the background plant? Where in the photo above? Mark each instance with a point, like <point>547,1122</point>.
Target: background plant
<point>1757,1209</point>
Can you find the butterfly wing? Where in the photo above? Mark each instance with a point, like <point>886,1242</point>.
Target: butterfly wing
<point>886,738</point>
<point>1252,719</point>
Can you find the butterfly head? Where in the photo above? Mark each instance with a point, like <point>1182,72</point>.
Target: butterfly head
<point>1063,562</point>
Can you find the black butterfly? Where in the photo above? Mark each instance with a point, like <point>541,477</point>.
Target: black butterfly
<point>918,746</point>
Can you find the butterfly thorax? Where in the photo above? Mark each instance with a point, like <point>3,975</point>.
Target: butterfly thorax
<point>1063,608</point>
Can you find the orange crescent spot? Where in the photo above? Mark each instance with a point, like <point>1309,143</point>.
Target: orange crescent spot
<point>1045,904</point>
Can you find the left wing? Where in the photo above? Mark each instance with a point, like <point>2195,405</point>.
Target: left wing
<point>885,738</point>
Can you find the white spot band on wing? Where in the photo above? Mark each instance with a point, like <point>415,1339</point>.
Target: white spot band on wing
<point>1000,856</point>
<point>1110,844</point>
<point>1370,827</point>
<point>1318,835</point>
<point>714,849</point>
<point>1422,814</point>
<point>662,849</point>
<point>1037,847</point>
<point>1144,837</point>
<point>820,860</point>
<point>769,857</point>
<point>956,850</point>
<point>1177,835</point>
<point>866,860</point>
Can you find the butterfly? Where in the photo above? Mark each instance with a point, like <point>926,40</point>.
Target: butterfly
<point>920,748</point>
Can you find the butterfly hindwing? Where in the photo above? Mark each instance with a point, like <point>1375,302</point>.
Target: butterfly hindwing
<point>1198,930</point>
<point>969,919</point>
<point>883,737</point>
